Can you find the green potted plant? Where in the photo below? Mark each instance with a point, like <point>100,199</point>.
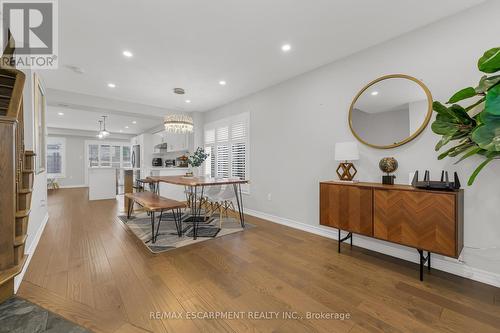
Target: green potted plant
<point>476,127</point>
<point>196,160</point>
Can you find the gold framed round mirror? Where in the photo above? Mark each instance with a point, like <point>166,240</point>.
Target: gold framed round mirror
<point>390,111</point>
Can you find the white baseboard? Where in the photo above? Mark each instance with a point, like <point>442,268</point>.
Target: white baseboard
<point>19,278</point>
<point>72,186</point>
<point>442,263</point>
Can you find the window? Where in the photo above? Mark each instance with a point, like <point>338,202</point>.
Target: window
<point>56,157</point>
<point>106,154</point>
<point>94,155</point>
<point>126,156</point>
<point>227,142</point>
<point>115,156</point>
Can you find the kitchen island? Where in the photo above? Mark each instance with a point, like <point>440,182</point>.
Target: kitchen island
<point>107,182</point>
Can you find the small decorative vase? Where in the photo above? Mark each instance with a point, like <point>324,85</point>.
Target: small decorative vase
<point>193,172</point>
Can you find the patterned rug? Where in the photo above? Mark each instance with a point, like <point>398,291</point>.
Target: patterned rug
<point>167,239</point>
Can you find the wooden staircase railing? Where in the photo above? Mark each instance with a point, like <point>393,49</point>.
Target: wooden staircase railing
<point>16,175</point>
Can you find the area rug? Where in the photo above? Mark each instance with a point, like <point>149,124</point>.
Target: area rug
<point>20,316</point>
<point>167,239</point>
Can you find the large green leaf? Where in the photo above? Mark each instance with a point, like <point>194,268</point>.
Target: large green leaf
<point>486,118</point>
<point>486,83</point>
<point>490,61</point>
<point>455,113</point>
<point>492,105</point>
<point>462,94</point>
<point>461,113</point>
<point>444,112</point>
<point>487,136</point>
<point>444,128</point>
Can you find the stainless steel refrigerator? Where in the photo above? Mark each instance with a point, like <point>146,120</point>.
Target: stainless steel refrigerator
<point>136,156</point>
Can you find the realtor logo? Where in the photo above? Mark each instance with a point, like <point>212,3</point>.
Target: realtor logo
<point>33,28</point>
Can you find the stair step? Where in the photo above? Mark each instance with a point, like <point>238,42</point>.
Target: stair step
<point>4,97</point>
<point>29,153</point>
<point>8,76</point>
<point>6,86</point>
<point>9,273</point>
<point>23,213</point>
<point>25,191</point>
<point>20,240</point>
<point>29,171</point>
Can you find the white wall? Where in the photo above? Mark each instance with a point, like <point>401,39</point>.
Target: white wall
<point>39,213</point>
<point>75,166</point>
<point>294,126</point>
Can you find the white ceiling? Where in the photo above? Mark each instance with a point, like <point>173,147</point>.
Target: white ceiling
<point>88,121</point>
<point>195,43</point>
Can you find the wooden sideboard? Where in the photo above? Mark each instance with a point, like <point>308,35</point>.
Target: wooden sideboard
<point>427,220</point>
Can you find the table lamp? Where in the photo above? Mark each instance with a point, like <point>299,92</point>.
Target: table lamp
<point>346,152</point>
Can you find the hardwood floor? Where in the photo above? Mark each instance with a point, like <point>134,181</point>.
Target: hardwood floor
<point>89,269</point>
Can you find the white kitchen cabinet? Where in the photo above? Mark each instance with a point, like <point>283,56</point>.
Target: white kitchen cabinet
<point>176,142</point>
<point>179,142</point>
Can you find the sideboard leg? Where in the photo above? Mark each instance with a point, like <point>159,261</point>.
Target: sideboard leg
<point>340,240</point>
<point>423,261</point>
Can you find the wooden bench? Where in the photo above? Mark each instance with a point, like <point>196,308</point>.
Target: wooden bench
<point>153,203</point>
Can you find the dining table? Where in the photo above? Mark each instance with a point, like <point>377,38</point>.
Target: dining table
<point>196,188</point>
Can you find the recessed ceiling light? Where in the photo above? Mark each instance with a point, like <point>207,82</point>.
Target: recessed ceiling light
<point>222,83</point>
<point>121,131</point>
<point>127,54</point>
<point>374,93</point>
<point>134,122</point>
<point>126,126</point>
<point>111,85</point>
<point>60,113</point>
<point>188,101</point>
<point>286,47</point>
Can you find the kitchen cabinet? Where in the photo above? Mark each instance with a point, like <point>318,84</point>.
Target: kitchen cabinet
<point>176,142</point>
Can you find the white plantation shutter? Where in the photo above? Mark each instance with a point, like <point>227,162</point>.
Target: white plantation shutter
<point>209,136</point>
<point>227,142</point>
<point>238,161</point>
<point>222,134</point>
<point>223,161</point>
<point>238,130</point>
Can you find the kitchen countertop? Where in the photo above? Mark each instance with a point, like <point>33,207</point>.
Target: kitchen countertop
<point>166,168</point>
